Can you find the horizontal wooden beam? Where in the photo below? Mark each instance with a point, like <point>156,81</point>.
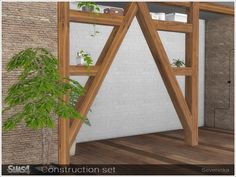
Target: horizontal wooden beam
<point>209,7</point>
<point>95,18</point>
<point>173,26</point>
<point>204,6</point>
<point>186,71</point>
<point>83,70</point>
<point>177,4</point>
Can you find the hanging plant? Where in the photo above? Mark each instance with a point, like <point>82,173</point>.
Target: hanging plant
<point>39,91</point>
<point>178,63</point>
<point>90,7</point>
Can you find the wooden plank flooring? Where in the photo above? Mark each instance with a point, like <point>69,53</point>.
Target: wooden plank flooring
<point>215,147</point>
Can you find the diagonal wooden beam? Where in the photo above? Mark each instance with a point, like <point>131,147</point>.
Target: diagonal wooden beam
<point>164,66</point>
<point>98,64</point>
<point>191,82</point>
<point>111,50</point>
<point>63,53</point>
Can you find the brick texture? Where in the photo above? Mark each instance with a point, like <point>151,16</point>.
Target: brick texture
<point>219,81</point>
<point>26,25</point>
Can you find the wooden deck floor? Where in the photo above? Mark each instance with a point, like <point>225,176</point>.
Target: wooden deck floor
<point>215,147</point>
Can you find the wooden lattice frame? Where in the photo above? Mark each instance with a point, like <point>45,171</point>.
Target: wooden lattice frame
<point>186,107</point>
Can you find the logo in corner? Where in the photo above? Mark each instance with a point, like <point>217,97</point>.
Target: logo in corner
<point>18,169</point>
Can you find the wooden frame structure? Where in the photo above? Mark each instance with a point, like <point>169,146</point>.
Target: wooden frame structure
<point>185,106</point>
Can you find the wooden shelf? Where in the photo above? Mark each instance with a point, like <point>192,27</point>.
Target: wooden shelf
<point>203,6</point>
<point>83,70</point>
<point>216,8</point>
<point>177,4</point>
<point>95,18</point>
<point>173,26</point>
<point>186,71</point>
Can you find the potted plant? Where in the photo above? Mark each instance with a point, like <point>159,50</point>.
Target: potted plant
<point>178,63</point>
<point>39,91</point>
<point>90,7</point>
<point>84,58</point>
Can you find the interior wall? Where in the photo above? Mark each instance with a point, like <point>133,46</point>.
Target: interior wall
<point>133,99</point>
<point>219,91</point>
<point>24,25</point>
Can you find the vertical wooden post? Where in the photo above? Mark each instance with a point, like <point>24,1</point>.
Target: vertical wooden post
<point>191,82</point>
<point>63,55</point>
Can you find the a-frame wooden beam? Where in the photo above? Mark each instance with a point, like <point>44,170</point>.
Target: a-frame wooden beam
<point>106,58</point>
<point>164,66</point>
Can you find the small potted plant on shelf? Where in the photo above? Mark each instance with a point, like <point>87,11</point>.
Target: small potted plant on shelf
<point>90,7</point>
<point>84,58</point>
<point>178,63</point>
<point>36,97</point>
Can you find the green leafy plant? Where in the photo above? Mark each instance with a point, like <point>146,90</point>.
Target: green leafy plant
<point>91,7</point>
<point>87,58</point>
<point>39,91</point>
<point>178,63</point>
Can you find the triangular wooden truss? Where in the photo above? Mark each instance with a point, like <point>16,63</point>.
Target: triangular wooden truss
<point>186,107</point>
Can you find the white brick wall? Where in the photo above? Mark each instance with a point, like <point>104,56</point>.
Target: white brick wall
<point>133,99</point>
